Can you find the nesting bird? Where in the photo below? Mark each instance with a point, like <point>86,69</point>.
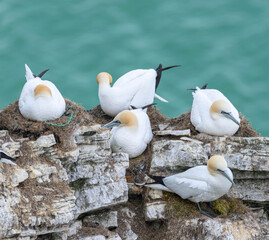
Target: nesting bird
<point>135,88</point>
<point>4,158</point>
<point>213,113</point>
<point>198,184</point>
<point>40,100</point>
<point>131,132</point>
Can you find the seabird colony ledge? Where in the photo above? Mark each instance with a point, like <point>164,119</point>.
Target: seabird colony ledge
<point>68,185</point>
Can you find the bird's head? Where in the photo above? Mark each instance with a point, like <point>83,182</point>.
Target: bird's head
<point>42,91</point>
<point>104,78</point>
<point>222,108</point>
<point>218,165</point>
<point>125,118</point>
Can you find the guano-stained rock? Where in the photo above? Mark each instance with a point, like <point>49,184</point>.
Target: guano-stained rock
<point>248,158</point>
<point>38,201</point>
<point>46,204</point>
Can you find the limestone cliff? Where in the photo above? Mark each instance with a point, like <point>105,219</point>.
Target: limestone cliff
<point>69,185</point>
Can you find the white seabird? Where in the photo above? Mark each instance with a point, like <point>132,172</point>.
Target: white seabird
<point>40,100</point>
<point>131,132</point>
<point>135,88</point>
<point>4,158</point>
<point>213,113</point>
<point>198,184</point>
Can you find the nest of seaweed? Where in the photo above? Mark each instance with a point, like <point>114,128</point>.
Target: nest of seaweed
<point>180,123</point>
<point>20,127</point>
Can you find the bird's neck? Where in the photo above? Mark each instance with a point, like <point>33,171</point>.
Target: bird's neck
<point>211,171</point>
<point>104,89</point>
<point>104,84</point>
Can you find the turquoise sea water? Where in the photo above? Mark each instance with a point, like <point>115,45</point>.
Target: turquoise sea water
<point>223,43</point>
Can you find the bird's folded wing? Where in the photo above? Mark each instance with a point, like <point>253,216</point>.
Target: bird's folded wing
<point>214,95</point>
<point>185,187</point>
<point>195,113</point>
<point>144,125</point>
<point>129,77</point>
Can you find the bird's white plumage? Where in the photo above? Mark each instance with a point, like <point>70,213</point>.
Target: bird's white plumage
<point>214,124</point>
<point>132,139</point>
<point>197,184</point>
<point>136,88</point>
<point>43,107</point>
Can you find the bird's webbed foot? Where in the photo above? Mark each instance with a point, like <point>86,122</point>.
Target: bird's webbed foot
<point>211,215</point>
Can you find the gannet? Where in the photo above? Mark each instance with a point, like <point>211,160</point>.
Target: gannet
<point>131,132</point>
<point>213,113</point>
<point>40,100</point>
<point>198,184</point>
<point>135,88</point>
<point>4,158</point>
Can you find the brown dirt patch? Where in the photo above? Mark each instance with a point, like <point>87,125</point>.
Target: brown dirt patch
<point>139,166</point>
<point>99,115</point>
<point>245,129</point>
<point>50,191</point>
<point>144,230</point>
<point>90,230</point>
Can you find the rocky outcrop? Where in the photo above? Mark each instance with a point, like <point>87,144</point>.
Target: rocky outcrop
<point>208,229</point>
<point>37,199</point>
<point>75,187</point>
<point>248,158</point>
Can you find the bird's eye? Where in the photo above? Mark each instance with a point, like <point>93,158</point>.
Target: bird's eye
<point>118,121</point>
<point>226,113</point>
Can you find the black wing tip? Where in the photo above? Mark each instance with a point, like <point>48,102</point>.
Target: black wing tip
<point>40,75</point>
<point>160,67</point>
<point>204,87</point>
<point>152,104</point>
<point>194,89</point>
<point>146,106</point>
<point>157,179</point>
<point>159,71</point>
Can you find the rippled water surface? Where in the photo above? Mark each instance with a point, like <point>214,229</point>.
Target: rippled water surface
<point>223,43</point>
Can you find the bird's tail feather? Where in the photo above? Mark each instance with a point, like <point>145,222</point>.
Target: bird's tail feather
<point>154,185</point>
<point>157,186</point>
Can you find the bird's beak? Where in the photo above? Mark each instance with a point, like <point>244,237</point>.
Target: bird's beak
<point>230,116</point>
<point>225,174</point>
<point>112,124</point>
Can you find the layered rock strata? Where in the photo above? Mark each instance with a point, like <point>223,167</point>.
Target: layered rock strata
<point>80,192</point>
